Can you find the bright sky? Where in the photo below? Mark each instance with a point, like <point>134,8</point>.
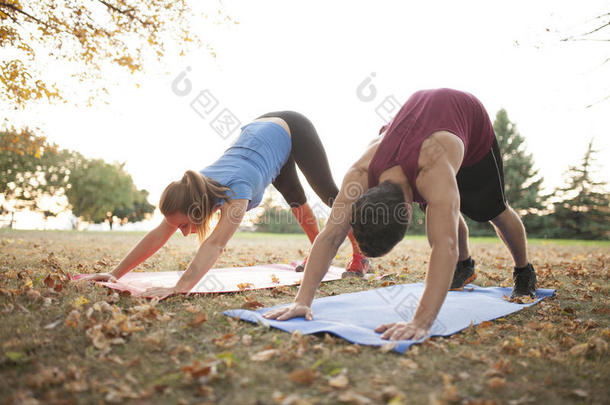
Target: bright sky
<point>311,56</point>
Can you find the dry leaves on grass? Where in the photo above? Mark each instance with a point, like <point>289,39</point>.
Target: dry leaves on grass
<point>108,324</point>
<point>227,340</point>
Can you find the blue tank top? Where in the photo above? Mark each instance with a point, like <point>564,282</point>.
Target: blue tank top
<point>252,162</point>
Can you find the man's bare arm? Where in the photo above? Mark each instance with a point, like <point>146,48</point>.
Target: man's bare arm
<point>437,184</point>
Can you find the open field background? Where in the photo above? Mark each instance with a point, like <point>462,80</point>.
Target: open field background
<point>79,343</point>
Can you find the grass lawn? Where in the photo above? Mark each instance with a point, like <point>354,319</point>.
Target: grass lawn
<point>80,343</point>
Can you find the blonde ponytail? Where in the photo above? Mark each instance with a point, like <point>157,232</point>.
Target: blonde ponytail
<point>194,196</point>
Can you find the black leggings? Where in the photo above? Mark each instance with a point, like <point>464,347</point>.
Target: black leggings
<point>308,153</point>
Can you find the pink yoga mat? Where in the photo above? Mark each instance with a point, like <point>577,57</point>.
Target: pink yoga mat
<point>218,280</point>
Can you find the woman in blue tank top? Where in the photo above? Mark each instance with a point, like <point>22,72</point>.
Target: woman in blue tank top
<point>267,151</point>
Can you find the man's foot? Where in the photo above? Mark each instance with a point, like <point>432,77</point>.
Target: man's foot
<point>524,279</point>
<point>463,274</point>
<point>358,266</point>
<point>301,267</point>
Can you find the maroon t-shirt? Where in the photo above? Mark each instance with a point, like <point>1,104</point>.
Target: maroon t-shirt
<point>426,112</point>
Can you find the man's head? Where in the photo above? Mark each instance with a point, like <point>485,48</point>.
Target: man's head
<point>380,219</point>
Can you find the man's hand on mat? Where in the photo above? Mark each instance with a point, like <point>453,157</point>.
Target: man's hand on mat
<point>402,331</point>
<point>293,310</point>
<point>99,277</point>
<point>158,292</point>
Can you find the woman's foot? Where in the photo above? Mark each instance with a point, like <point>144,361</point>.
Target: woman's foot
<point>358,266</point>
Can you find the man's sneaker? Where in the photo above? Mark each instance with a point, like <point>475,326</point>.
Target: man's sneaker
<point>301,267</point>
<point>524,279</point>
<point>358,266</point>
<point>463,274</point>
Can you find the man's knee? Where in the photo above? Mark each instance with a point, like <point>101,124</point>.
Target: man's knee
<point>509,215</point>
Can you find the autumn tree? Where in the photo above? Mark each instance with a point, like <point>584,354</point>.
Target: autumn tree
<point>137,211</point>
<point>584,209</point>
<point>30,169</point>
<point>99,191</point>
<point>91,35</point>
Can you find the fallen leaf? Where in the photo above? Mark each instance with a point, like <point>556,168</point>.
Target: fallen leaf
<point>73,318</point>
<point>450,391</point>
<point>226,341</point>
<point>45,376</point>
<point>580,349</point>
<point>53,324</point>
<point>303,376</point>
<point>199,369</point>
<point>580,393</point>
<point>265,355</point>
<point>496,382</point>
<point>49,282</point>
<point>252,305</point>
<point>79,301</point>
<point>199,319</point>
<point>393,396</point>
<point>350,397</point>
<point>15,356</point>
<point>340,381</point>
<point>408,363</point>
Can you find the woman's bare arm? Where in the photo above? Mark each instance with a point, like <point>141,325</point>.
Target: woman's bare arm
<point>231,214</point>
<point>144,248</point>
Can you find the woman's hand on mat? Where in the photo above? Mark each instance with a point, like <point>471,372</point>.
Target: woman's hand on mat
<point>293,310</point>
<point>99,277</point>
<point>158,292</point>
<point>402,331</point>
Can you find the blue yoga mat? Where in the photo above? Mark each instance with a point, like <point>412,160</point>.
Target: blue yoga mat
<point>354,316</point>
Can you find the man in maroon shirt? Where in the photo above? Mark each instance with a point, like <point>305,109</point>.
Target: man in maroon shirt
<point>440,151</point>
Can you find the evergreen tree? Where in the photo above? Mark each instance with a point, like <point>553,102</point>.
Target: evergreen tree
<point>521,181</point>
<point>584,211</point>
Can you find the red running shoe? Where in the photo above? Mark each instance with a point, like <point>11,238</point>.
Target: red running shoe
<point>358,266</point>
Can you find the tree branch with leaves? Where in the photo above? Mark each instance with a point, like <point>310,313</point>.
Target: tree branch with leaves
<point>90,34</point>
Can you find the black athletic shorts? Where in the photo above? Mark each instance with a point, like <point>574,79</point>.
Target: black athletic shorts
<point>481,187</point>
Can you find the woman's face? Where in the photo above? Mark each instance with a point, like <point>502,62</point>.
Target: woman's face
<point>181,222</point>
